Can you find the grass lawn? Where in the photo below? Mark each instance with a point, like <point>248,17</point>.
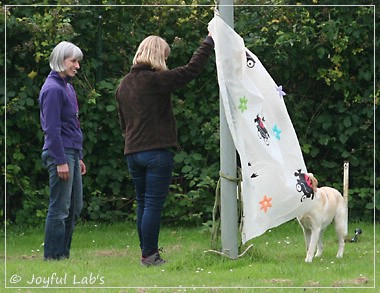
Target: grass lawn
<point>105,258</point>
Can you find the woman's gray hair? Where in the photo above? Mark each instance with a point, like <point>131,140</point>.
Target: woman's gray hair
<point>61,52</point>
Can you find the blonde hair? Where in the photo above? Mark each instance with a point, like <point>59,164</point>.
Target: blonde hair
<point>154,51</point>
<point>61,52</point>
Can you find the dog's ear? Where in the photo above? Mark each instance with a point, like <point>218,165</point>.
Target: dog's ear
<point>314,181</point>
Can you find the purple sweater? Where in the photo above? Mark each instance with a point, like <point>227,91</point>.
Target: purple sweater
<point>59,117</point>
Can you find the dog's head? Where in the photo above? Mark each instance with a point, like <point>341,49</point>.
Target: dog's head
<point>314,181</point>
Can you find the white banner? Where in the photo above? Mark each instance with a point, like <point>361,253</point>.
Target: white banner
<point>275,187</point>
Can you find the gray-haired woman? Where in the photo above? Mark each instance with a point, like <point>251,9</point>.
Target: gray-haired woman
<point>62,150</point>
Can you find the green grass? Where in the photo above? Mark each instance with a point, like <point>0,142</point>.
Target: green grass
<point>106,258</point>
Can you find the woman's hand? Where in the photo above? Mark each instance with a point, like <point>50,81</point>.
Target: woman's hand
<point>83,169</point>
<point>63,171</point>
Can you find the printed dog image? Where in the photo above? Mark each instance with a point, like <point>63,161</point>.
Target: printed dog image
<point>328,205</point>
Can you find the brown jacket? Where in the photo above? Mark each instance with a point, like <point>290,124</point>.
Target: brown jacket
<point>144,103</point>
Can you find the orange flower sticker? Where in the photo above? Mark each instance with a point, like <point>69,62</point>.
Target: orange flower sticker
<point>265,203</point>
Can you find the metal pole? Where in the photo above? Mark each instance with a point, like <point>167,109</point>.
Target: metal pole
<point>228,188</point>
<point>346,167</point>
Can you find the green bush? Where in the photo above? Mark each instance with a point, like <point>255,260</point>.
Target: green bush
<point>321,55</point>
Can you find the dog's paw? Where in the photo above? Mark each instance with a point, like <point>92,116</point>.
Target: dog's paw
<point>340,252</point>
<point>308,259</point>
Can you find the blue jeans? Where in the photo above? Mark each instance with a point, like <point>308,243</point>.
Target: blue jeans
<point>65,205</point>
<point>151,174</point>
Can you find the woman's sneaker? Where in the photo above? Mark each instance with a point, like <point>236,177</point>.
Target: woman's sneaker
<point>152,260</point>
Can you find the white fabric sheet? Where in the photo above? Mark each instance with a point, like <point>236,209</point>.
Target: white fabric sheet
<point>275,188</point>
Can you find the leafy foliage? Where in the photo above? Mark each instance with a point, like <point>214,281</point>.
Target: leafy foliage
<point>321,55</point>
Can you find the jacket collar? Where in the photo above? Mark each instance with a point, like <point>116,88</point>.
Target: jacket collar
<point>141,66</point>
<point>55,74</point>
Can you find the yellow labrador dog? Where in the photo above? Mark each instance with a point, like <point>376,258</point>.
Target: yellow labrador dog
<point>328,205</point>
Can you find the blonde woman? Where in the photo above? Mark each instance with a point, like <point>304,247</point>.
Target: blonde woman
<point>149,129</point>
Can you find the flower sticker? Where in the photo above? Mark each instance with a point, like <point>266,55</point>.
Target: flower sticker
<point>243,104</point>
<point>265,203</point>
<point>277,131</point>
<point>280,91</point>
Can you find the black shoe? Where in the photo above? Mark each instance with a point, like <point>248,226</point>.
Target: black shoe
<point>152,260</point>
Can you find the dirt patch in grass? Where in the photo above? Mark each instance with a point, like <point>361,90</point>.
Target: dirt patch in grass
<point>354,282</point>
<point>24,256</point>
<point>280,281</point>
<point>29,256</point>
<point>313,284</point>
<point>108,252</point>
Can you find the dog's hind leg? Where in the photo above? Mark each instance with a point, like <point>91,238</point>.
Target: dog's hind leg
<point>341,231</point>
<point>341,246</point>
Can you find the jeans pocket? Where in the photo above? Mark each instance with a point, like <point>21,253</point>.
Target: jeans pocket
<point>47,160</point>
<point>166,158</point>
